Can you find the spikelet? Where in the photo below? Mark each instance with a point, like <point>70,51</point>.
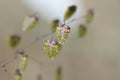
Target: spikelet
<point>23,61</point>
<point>54,24</point>
<point>18,75</point>
<point>90,16</point>
<point>14,40</point>
<point>82,30</point>
<point>62,33</point>
<point>51,48</point>
<point>29,22</point>
<point>69,12</point>
<point>59,73</point>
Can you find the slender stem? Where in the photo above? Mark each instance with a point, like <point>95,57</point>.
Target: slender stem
<point>7,59</point>
<point>64,22</point>
<point>8,73</point>
<point>52,35</point>
<point>37,39</point>
<point>35,60</point>
<point>76,19</point>
<point>37,31</point>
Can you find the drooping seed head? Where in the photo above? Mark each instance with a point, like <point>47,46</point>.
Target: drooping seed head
<point>82,30</point>
<point>62,33</point>
<point>51,48</point>
<point>23,62</point>
<point>70,11</point>
<point>14,40</point>
<point>18,75</point>
<point>59,73</point>
<point>54,24</point>
<point>30,22</point>
<point>89,16</point>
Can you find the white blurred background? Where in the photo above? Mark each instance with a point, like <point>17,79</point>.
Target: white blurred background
<point>95,57</point>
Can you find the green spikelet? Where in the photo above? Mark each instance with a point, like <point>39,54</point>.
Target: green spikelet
<point>29,23</point>
<point>82,30</point>
<point>18,75</point>
<point>51,48</point>
<point>23,62</point>
<point>59,74</point>
<point>90,16</point>
<point>54,24</point>
<point>62,33</point>
<point>70,11</point>
<point>14,40</point>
